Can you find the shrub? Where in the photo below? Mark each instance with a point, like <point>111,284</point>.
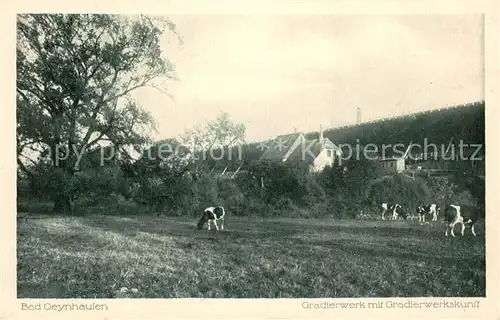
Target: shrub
<point>280,180</point>
<point>253,207</point>
<point>288,191</point>
<point>323,209</point>
<point>283,207</point>
<point>398,188</point>
<point>34,205</point>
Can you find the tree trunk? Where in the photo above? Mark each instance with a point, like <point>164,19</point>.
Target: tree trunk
<point>62,204</point>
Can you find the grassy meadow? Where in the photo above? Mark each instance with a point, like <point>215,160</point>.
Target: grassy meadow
<point>163,257</point>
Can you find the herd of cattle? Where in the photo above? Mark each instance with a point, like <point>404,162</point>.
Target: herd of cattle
<point>453,215</point>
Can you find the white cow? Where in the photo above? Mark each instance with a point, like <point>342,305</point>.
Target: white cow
<point>459,214</point>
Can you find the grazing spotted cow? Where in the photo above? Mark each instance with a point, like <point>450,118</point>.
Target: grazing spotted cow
<point>395,210</point>
<point>421,212</point>
<point>398,211</point>
<point>455,214</point>
<point>212,215</point>
<point>385,208</point>
<point>432,209</point>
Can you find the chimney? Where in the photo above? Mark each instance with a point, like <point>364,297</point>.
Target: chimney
<point>320,133</point>
<point>358,115</point>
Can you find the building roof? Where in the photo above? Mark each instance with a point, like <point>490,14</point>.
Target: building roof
<point>278,147</point>
<point>329,144</point>
<point>306,152</point>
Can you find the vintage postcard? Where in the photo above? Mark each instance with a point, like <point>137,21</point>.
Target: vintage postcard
<point>264,160</point>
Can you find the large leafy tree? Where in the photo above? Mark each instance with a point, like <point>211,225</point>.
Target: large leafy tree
<point>217,141</point>
<point>217,133</point>
<point>75,76</point>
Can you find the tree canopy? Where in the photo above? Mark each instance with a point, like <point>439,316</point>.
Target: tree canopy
<point>75,76</point>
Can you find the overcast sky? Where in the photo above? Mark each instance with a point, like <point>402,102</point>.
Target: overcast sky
<point>277,73</point>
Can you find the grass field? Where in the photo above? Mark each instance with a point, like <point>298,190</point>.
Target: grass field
<point>98,256</point>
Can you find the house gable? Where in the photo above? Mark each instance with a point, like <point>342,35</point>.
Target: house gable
<point>323,160</point>
<point>315,153</point>
<point>329,145</point>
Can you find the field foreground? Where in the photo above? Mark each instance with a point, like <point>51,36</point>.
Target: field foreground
<point>100,256</point>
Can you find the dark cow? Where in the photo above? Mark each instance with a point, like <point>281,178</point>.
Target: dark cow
<point>465,215</point>
<point>212,215</point>
<point>423,210</point>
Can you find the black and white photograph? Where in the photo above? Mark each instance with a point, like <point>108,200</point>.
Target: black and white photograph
<point>271,156</point>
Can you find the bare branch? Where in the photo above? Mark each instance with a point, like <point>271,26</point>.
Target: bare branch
<point>128,90</point>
